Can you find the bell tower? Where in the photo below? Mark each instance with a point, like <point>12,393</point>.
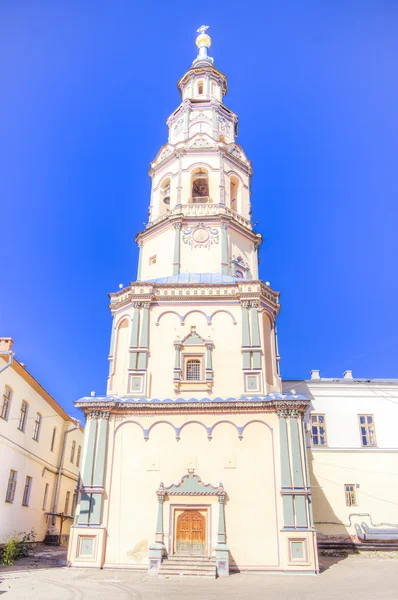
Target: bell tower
<point>198,261</point>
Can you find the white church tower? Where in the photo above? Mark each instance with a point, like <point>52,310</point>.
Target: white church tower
<point>194,389</point>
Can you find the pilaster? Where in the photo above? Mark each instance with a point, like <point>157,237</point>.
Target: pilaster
<point>133,349</point>
<point>224,248</point>
<point>144,339</point>
<point>177,249</point>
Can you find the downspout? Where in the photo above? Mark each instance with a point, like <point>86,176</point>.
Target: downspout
<point>10,359</point>
<point>59,475</point>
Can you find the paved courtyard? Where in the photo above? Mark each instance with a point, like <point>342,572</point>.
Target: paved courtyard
<point>353,578</point>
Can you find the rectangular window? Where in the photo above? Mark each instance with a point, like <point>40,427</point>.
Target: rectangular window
<point>318,430</point>
<point>23,415</point>
<point>193,369</point>
<point>45,496</point>
<point>26,492</point>
<point>12,484</point>
<point>53,439</point>
<point>36,428</point>
<point>79,453</point>
<point>350,494</point>
<point>67,503</point>
<point>72,451</point>
<point>5,409</point>
<point>367,430</point>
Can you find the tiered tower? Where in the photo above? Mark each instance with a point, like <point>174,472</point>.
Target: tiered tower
<point>198,263</point>
<point>194,407</point>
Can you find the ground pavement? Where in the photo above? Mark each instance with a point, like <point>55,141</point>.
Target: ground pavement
<point>344,578</point>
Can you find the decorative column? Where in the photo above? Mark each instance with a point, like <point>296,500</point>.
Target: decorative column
<point>222,180</point>
<point>144,339</point>
<point>286,479</point>
<point>255,329</point>
<point>157,548</point>
<point>93,468</point>
<point>246,348</point>
<point>177,364</point>
<point>209,364</point>
<point>222,549</point>
<point>224,248</point>
<point>177,249</point>
<point>133,348</point>
<point>139,271</point>
<point>216,134</point>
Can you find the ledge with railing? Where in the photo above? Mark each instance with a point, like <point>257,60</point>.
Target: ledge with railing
<point>201,209</point>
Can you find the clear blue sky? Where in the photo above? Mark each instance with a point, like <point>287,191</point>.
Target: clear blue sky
<point>86,89</point>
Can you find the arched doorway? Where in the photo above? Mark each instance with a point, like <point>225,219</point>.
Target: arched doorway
<point>191,533</point>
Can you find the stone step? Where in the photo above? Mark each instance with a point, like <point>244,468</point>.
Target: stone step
<point>188,566</point>
<point>188,558</point>
<point>192,566</point>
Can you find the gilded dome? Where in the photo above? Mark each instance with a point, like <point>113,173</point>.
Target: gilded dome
<point>203,40</point>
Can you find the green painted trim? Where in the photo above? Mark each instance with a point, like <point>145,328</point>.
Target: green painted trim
<point>246,356</point>
<point>159,522</point>
<point>288,512</point>
<point>256,340</point>
<point>100,455</point>
<point>300,510</point>
<point>286,479</point>
<point>307,472</point>
<point>298,479</point>
<point>134,338</point>
<point>85,509</point>
<point>245,326</point>
<point>87,468</point>
<point>177,362</point>
<point>256,359</point>
<point>96,509</point>
<point>221,524</point>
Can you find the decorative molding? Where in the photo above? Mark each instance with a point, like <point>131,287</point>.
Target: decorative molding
<point>200,236</point>
<point>192,485</point>
<point>99,414</point>
<point>289,413</point>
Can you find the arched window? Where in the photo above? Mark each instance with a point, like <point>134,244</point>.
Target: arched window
<point>200,88</point>
<point>214,89</point>
<point>165,196</point>
<point>193,368</point>
<point>233,192</point>
<point>200,186</point>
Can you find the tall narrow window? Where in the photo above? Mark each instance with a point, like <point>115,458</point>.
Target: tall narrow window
<point>200,186</point>
<point>46,487</point>
<point>36,427</point>
<point>318,430</point>
<point>72,451</point>
<point>367,430</point>
<point>350,494</point>
<point>5,409</point>
<point>12,484</point>
<point>53,439</point>
<point>79,453</point>
<point>200,88</point>
<point>233,193</point>
<point>67,503</point>
<point>193,369</point>
<point>23,415</point>
<point>26,491</point>
<point>72,512</point>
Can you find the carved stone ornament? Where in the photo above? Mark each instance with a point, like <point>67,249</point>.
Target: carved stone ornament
<point>99,414</point>
<point>289,413</point>
<point>166,152</point>
<point>178,126</point>
<point>200,236</point>
<point>201,142</point>
<point>224,127</point>
<point>198,115</point>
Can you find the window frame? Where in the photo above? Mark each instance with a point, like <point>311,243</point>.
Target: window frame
<point>72,451</point>
<point>5,408</point>
<point>191,357</point>
<point>37,427</point>
<point>23,416</point>
<point>78,456</point>
<point>200,87</point>
<point>350,494</point>
<point>317,424</point>
<point>27,490</point>
<point>367,435</point>
<point>11,486</point>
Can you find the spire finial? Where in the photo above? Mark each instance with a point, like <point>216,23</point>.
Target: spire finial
<point>203,41</point>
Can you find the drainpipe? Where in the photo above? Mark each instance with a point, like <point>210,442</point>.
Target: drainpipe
<point>61,462</point>
<point>10,355</point>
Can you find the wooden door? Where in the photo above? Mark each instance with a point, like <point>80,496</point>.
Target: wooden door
<point>191,533</point>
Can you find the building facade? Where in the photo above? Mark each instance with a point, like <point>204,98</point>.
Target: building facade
<point>194,426</point>
<point>40,448</point>
<point>353,456</point>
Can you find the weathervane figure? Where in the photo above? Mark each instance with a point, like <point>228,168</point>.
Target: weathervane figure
<point>202,28</point>
<point>203,42</point>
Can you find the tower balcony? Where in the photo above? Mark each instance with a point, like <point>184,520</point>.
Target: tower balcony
<point>201,209</point>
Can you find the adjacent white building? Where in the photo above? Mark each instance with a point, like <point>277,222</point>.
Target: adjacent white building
<point>40,449</point>
<point>353,455</point>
